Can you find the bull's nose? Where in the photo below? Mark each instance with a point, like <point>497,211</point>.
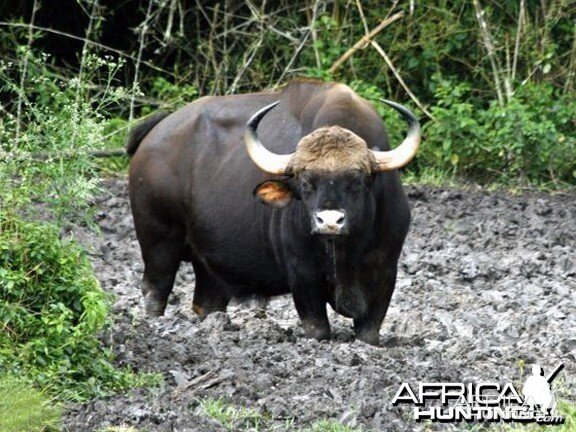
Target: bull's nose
<point>329,222</point>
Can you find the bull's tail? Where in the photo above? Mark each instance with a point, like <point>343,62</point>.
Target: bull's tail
<point>138,133</point>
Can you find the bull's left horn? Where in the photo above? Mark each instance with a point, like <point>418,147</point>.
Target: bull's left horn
<point>401,155</point>
<point>265,159</point>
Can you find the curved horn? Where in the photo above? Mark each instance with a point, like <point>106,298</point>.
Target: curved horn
<point>266,160</point>
<point>401,155</point>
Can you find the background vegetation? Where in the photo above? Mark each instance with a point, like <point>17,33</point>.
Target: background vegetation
<point>493,82</point>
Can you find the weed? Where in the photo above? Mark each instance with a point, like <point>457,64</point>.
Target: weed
<point>231,417</point>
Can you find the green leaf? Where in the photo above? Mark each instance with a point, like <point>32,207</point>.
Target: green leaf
<point>413,62</point>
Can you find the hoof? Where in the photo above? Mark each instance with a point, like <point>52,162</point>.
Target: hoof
<point>369,337</point>
<point>318,332</point>
<point>154,308</point>
<point>199,310</point>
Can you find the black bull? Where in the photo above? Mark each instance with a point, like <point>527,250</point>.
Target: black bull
<point>332,232</point>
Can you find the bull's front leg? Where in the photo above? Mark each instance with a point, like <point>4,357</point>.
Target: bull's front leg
<point>382,283</point>
<point>367,328</point>
<point>311,306</point>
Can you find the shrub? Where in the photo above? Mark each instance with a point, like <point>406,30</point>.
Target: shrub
<point>165,92</point>
<point>395,125</point>
<point>51,309</point>
<point>530,139</point>
<point>51,306</point>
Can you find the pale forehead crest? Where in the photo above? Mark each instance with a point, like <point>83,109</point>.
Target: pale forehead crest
<point>332,148</point>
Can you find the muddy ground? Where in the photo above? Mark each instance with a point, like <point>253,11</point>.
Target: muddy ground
<point>486,283</point>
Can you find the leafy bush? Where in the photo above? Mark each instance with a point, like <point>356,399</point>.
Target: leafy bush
<point>530,139</point>
<point>51,306</point>
<point>168,93</point>
<point>395,125</point>
<point>51,310</point>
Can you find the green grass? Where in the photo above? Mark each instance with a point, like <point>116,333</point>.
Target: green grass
<point>119,429</point>
<point>438,178</point>
<point>430,177</point>
<point>25,409</point>
<point>330,426</point>
<point>235,418</point>
<point>231,417</point>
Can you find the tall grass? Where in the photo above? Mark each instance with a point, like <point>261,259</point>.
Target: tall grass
<point>25,409</point>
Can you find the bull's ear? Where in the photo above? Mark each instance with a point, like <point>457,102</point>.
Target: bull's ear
<point>275,193</point>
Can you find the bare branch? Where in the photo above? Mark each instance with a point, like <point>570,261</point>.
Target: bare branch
<point>363,17</point>
<point>170,23</point>
<point>517,43</point>
<point>90,42</point>
<point>400,80</point>
<point>143,31</point>
<point>361,43</point>
<point>314,36</point>
<point>245,65</point>
<point>487,40</point>
<point>25,70</point>
<point>79,85</point>
<point>301,46</point>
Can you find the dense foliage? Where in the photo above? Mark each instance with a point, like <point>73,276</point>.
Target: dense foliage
<point>529,139</point>
<point>51,311</point>
<point>496,79</point>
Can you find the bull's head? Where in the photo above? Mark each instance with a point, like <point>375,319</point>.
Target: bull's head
<point>331,171</point>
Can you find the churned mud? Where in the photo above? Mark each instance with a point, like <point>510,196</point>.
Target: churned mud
<point>486,284</point>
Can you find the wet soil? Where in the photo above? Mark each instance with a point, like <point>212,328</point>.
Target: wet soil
<point>486,285</point>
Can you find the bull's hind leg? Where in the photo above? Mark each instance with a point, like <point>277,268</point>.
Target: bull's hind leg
<point>162,256</point>
<point>210,293</point>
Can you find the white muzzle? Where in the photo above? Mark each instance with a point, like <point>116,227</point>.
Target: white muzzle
<point>331,222</point>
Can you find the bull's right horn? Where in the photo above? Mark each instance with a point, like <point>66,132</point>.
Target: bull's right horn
<point>265,159</point>
<point>401,155</point>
